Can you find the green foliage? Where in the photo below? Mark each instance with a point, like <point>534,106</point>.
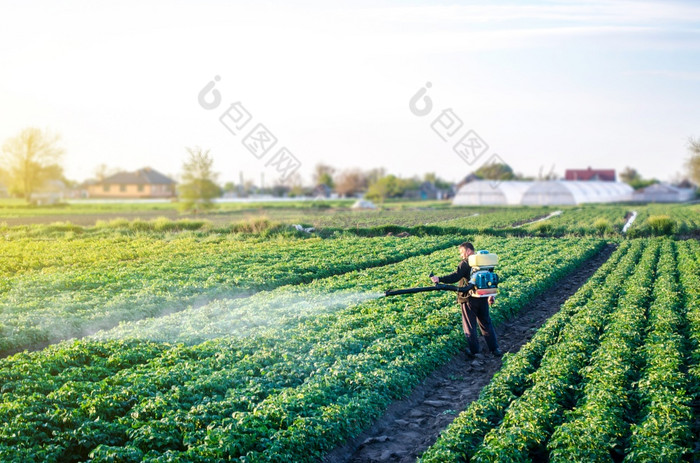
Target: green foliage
<point>256,225</point>
<point>680,219</point>
<point>29,160</point>
<point>271,384</point>
<point>631,177</point>
<point>595,429</point>
<point>390,186</point>
<point>198,186</point>
<point>53,289</point>
<point>602,226</point>
<point>160,224</point>
<point>544,228</point>
<point>437,181</point>
<point>326,179</point>
<point>638,184</point>
<point>495,171</point>
<point>661,225</point>
<point>575,392</point>
<point>663,433</point>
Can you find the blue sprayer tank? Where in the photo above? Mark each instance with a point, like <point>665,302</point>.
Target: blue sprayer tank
<point>482,276</point>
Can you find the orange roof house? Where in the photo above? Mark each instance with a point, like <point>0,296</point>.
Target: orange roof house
<point>144,183</point>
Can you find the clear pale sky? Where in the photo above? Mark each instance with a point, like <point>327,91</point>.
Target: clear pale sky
<point>550,85</point>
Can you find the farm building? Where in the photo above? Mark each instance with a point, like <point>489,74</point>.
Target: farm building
<point>664,193</point>
<point>544,193</point>
<point>144,183</point>
<point>606,175</point>
<point>50,192</point>
<point>563,192</point>
<point>428,190</point>
<point>489,193</point>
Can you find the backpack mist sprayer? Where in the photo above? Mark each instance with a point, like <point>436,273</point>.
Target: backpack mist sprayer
<point>483,281</point>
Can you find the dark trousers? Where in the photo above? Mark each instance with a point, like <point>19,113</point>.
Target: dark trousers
<point>476,310</point>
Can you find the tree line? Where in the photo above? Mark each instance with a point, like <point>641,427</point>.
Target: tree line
<point>34,157</point>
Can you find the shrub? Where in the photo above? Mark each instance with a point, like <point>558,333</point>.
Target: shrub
<point>254,225</point>
<point>543,228</point>
<point>661,224</point>
<point>602,226</point>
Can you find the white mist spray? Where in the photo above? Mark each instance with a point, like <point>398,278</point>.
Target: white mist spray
<point>239,317</point>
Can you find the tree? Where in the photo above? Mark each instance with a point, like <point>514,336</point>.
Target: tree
<point>437,181</point>
<point>693,163</point>
<point>350,182</point>
<point>381,189</point>
<point>323,175</point>
<point>495,171</point>
<point>198,185</point>
<point>375,174</point>
<point>295,184</point>
<point>390,186</point>
<point>290,185</point>
<point>30,159</point>
<point>631,177</point>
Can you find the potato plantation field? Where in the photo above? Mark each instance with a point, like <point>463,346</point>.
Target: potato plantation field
<point>204,341</point>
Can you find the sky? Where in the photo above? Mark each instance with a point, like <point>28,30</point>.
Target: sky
<point>409,86</point>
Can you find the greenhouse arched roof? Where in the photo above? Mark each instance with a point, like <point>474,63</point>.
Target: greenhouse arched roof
<point>563,192</point>
<point>488,193</point>
<point>551,192</point>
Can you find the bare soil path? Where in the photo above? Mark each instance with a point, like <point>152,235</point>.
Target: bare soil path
<point>411,425</point>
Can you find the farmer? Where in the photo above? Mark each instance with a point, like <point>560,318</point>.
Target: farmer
<point>474,309</point>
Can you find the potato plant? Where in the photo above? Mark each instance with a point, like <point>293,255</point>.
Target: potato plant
<point>52,289</point>
<point>279,392</point>
<point>611,377</point>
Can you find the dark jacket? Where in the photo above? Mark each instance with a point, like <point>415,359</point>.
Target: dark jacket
<point>461,275</point>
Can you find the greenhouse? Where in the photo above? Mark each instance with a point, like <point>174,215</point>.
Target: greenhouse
<point>664,193</point>
<point>544,193</point>
<point>490,193</point>
<point>562,192</point>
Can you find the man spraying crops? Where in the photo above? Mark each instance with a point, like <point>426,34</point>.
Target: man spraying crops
<point>474,309</point>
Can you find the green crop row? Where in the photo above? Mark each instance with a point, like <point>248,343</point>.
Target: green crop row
<point>663,433</point>
<point>58,289</point>
<point>531,418</point>
<point>594,429</point>
<point>689,277</point>
<point>508,217</point>
<point>460,441</point>
<point>585,399</point>
<point>292,303</point>
<point>609,219</point>
<point>285,393</point>
<point>264,313</point>
<point>599,220</point>
<point>666,219</point>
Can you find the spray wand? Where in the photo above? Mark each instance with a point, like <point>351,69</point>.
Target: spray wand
<point>435,287</point>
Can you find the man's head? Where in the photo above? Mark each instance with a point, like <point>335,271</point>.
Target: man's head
<point>466,249</point>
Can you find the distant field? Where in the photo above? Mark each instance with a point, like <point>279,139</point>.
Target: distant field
<point>16,212</point>
<point>602,220</point>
